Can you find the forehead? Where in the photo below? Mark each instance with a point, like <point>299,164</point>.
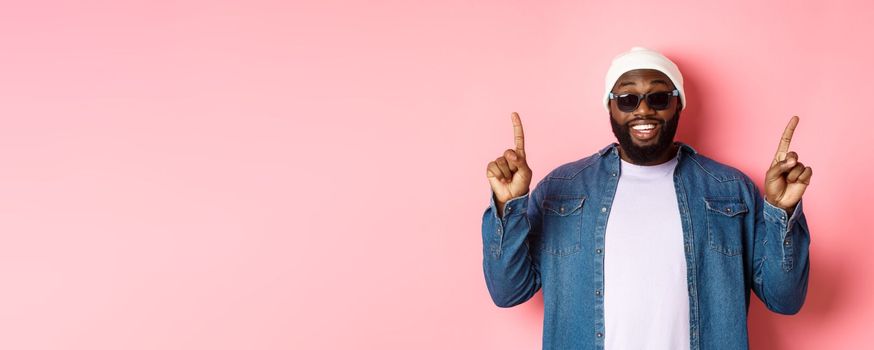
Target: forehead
<point>643,77</point>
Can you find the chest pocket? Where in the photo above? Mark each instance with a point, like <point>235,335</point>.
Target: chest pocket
<point>561,229</point>
<point>725,217</point>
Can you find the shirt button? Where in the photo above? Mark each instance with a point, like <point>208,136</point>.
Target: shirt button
<point>598,292</point>
<point>603,209</point>
<point>508,208</point>
<point>599,335</point>
<point>787,242</point>
<point>614,174</point>
<point>598,251</point>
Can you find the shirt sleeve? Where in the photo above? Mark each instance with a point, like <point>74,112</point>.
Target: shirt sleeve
<point>780,256</point>
<point>511,275</point>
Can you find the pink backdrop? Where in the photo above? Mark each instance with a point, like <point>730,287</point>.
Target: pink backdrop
<point>275,175</point>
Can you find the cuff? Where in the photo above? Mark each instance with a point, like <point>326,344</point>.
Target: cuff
<point>515,206</point>
<point>778,215</point>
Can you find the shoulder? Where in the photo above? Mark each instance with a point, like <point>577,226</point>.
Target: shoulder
<point>716,170</point>
<point>572,169</point>
<point>565,174</point>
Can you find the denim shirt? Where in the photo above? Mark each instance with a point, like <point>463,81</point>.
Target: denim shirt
<point>734,241</point>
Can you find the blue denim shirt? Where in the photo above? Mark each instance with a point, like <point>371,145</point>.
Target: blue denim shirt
<point>553,238</point>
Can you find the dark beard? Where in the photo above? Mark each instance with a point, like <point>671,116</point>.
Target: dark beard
<point>647,154</point>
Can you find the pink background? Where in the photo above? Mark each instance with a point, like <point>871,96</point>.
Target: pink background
<point>275,175</point>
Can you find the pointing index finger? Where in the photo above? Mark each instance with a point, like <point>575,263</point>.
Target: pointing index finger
<point>783,149</point>
<point>518,134</point>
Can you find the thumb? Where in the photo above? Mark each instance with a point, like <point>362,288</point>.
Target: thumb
<point>790,161</point>
<point>518,158</point>
<point>780,168</point>
<point>787,164</point>
<point>521,153</point>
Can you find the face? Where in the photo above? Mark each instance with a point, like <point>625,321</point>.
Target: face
<point>646,135</point>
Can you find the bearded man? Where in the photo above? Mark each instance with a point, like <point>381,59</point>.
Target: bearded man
<point>646,244</point>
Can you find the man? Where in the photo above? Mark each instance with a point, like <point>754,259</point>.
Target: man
<point>646,244</point>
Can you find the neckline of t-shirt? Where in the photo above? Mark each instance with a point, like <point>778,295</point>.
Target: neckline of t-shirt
<point>649,170</point>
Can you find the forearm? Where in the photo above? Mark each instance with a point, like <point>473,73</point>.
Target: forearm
<point>511,276</point>
<point>782,259</point>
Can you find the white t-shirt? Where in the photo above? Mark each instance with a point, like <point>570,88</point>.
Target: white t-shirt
<point>646,298</point>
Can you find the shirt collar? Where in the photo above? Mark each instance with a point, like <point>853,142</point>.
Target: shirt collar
<point>614,148</point>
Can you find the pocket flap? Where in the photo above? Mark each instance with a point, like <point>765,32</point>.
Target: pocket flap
<point>726,206</point>
<point>562,206</point>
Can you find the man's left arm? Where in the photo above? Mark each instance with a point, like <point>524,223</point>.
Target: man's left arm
<point>781,237</point>
<point>780,256</point>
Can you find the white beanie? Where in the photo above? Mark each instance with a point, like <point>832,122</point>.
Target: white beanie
<point>642,58</point>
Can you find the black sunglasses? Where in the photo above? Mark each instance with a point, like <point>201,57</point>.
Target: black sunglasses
<point>655,100</point>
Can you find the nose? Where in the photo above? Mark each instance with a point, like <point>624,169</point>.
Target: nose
<point>643,109</point>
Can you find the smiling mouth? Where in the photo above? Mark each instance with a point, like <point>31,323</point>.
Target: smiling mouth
<point>644,131</point>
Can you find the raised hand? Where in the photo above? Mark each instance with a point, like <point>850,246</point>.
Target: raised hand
<point>787,178</point>
<point>509,174</point>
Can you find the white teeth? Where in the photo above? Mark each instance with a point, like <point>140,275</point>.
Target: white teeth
<point>643,127</point>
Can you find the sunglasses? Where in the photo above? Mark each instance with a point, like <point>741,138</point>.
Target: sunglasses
<point>655,100</point>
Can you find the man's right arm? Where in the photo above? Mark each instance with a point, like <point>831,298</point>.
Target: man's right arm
<point>511,275</point>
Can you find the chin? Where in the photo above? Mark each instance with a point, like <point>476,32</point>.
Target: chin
<point>644,144</point>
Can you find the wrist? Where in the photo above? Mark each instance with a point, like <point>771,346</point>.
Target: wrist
<point>789,210</point>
